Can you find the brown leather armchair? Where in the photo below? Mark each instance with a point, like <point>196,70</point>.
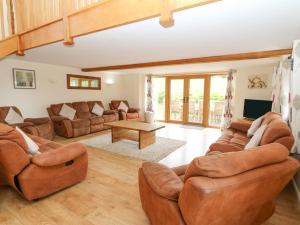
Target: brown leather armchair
<point>41,127</point>
<point>57,167</point>
<point>131,114</point>
<point>218,189</point>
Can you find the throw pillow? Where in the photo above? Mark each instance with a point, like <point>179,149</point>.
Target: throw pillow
<point>255,140</point>
<point>67,111</point>
<point>13,117</point>
<point>123,107</point>
<point>98,110</point>
<point>33,148</point>
<point>254,126</point>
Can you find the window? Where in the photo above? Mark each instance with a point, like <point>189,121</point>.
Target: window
<point>83,82</point>
<point>159,97</point>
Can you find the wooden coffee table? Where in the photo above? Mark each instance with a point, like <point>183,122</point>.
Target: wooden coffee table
<point>146,131</point>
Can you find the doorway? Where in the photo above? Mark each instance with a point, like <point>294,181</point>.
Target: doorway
<point>190,99</point>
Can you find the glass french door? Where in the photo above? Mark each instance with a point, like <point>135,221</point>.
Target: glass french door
<point>176,99</point>
<point>195,100</point>
<point>186,100</point>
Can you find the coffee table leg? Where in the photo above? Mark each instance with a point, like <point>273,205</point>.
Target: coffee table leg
<point>146,139</point>
<point>115,134</point>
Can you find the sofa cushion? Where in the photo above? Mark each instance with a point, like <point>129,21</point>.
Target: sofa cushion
<point>109,118</point>
<point>13,117</point>
<point>231,137</point>
<point>255,140</point>
<point>115,103</point>
<point>96,120</point>
<point>132,116</point>
<point>82,110</point>
<point>33,148</point>
<point>80,123</point>
<point>98,110</point>
<point>68,112</point>
<point>254,126</point>
<point>92,103</point>
<point>123,107</point>
<point>232,163</point>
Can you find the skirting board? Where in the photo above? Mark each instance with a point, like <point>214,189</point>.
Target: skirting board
<point>296,189</point>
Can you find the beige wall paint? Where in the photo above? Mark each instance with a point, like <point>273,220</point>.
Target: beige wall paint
<point>242,92</point>
<point>51,87</point>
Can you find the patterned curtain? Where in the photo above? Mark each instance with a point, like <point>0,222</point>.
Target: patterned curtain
<point>295,97</point>
<point>149,101</point>
<point>229,100</point>
<point>281,88</point>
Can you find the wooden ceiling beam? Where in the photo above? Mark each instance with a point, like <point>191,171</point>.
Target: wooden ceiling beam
<point>209,59</point>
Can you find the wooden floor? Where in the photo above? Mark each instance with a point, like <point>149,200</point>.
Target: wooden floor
<point>109,195</point>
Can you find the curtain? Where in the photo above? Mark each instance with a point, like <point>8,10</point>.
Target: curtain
<point>281,87</point>
<point>229,99</point>
<point>149,101</point>
<point>295,96</point>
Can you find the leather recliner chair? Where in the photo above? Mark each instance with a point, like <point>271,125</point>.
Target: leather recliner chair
<point>41,127</point>
<point>236,188</point>
<point>131,114</point>
<point>57,167</point>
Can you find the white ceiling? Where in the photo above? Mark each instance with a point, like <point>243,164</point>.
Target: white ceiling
<point>226,27</point>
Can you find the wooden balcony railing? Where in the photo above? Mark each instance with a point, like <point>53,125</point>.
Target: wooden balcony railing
<point>17,16</point>
<point>27,24</point>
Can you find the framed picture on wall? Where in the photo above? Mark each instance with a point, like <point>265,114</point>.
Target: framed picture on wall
<point>24,79</point>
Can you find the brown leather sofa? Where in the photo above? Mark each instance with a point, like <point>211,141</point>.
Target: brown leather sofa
<point>41,127</point>
<point>233,188</point>
<point>235,137</point>
<point>57,167</point>
<point>131,114</point>
<point>85,122</point>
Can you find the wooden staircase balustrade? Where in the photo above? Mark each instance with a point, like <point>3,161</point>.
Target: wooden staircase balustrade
<point>28,24</point>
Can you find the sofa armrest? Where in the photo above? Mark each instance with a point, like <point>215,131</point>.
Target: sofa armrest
<point>59,156</point>
<point>180,170</point>
<point>38,121</point>
<point>223,147</point>
<point>241,126</point>
<point>22,125</point>
<point>133,110</point>
<point>162,180</point>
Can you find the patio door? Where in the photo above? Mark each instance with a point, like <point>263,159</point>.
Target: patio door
<point>186,100</point>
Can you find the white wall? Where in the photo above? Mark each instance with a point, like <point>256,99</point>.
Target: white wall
<point>51,87</point>
<point>242,92</point>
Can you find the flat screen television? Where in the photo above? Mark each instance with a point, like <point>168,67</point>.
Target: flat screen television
<point>254,109</point>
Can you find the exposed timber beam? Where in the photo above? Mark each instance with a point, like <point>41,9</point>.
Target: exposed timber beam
<point>166,17</point>
<point>99,16</point>
<point>8,46</point>
<point>209,59</point>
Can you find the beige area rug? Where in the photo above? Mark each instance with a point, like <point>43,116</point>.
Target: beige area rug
<point>153,153</point>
